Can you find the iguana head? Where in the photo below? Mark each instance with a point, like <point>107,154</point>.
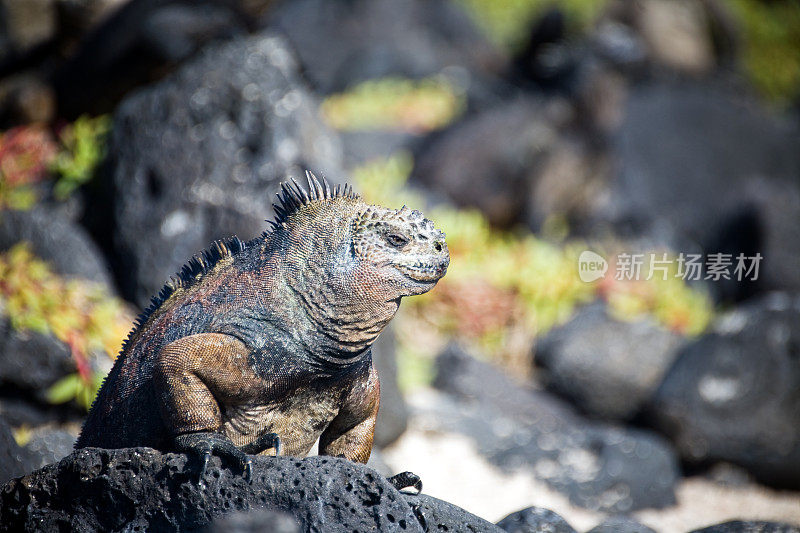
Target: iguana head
<point>350,263</point>
<point>401,248</point>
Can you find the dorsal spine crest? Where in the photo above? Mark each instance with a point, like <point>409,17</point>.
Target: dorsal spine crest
<point>188,275</point>
<point>293,196</point>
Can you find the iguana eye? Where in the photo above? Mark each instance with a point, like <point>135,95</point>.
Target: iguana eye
<point>398,241</point>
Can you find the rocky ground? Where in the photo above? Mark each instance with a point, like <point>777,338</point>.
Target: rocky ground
<point>493,493</point>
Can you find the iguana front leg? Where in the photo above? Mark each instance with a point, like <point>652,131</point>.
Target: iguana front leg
<point>192,376</point>
<point>351,432</point>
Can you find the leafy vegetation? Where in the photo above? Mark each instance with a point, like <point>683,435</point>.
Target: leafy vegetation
<point>504,288</point>
<point>508,22</point>
<point>771,54</point>
<point>30,155</point>
<point>82,149</point>
<point>25,154</point>
<point>395,104</point>
<point>79,313</point>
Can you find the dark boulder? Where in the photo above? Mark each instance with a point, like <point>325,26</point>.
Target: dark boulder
<point>31,361</point>
<point>343,42</point>
<point>99,490</point>
<point>598,466</point>
<point>700,164</point>
<point>95,489</point>
<point>535,520</point>
<point>518,162</point>
<point>20,408</point>
<point>620,524</point>
<point>608,368</point>
<point>742,526</point>
<point>199,155</point>
<point>14,460</point>
<point>437,515</point>
<point>486,161</point>
<point>732,394</point>
<point>56,238</point>
<point>137,44</point>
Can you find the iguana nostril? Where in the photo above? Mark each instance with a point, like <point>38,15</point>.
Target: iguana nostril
<point>437,246</point>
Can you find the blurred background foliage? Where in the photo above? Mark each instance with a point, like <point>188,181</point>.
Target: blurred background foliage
<point>508,22</point>
<point>505,288</point>
<point>395,103</point>
<point>771,54</point>
<point>36,163</point>
<point>25,154</point>
<point>78,312</point>
<point>81,148</point>
<point>32,155</point>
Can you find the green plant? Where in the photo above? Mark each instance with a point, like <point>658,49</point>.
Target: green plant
<point>508,22</point>
<point>29,155</point>
<point>394,104</point>
<point>82,149</point>
<point>771,54</point>
<point>665,296</point>
<point>25,154</point>
<point>79,313</point>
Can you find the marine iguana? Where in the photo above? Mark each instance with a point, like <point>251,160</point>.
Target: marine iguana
<point>265,345</point>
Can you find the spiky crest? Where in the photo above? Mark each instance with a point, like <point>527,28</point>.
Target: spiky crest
<point>189,274</point>
<point>292,196</point>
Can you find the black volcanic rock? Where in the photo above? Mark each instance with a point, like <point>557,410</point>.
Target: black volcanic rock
<point>598,466</point>
<point>535,520</point>
<point>31,361</point>
<point>701,164</point>
<point>742,526</point>
<point>732,395</point>
<point>14,460</point>
<point>96,489</point>
<point>607,367</point>
<point>138,43</point>
<point>437,515</point>
<point>343,42</point>
<point>101,490</point>
<point>620,524</point>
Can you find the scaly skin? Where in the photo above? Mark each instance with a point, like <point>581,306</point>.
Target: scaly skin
<point>267,343</point>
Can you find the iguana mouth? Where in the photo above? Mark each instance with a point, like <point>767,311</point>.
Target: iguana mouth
<point>423,273</point>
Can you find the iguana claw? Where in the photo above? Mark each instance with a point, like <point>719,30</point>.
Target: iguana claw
<point>404,480</point>
<point>264,442</point>
<point>205,443</point>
